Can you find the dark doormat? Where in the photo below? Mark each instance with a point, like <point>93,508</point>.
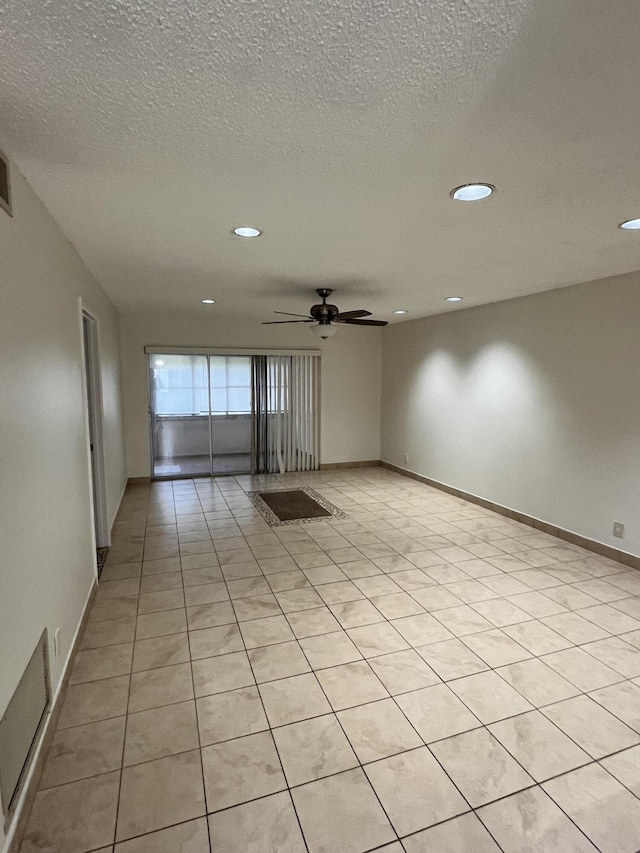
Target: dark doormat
<point>291,506</point>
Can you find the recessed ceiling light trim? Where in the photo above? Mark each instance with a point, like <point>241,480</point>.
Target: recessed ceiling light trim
<point>453,299</point>
<point>208,301</point>
<point>472,192</point>
<point>400,311</point>
<point>630,225</point>
<point>246,231</point>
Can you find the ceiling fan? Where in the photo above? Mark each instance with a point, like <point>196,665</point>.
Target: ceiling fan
<point>325,316</point>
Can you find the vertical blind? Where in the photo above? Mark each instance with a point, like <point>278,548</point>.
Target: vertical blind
<point>286,413</point>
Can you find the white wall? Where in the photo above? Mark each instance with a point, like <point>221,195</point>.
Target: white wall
<point>350,381</point>
<point>47,563</point>
<point>533,403</point>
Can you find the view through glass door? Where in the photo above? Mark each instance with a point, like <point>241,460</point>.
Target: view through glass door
<point>200,414</point>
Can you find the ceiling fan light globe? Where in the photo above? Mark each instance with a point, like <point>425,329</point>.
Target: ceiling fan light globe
<point>323,330</point>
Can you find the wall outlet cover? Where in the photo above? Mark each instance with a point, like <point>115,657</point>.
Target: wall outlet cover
<point>618,529</point>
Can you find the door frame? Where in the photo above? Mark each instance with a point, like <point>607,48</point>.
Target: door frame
<point>93,409</point>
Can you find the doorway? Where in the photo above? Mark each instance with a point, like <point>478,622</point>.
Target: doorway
<point>200,415</point>
<point>93,397</point>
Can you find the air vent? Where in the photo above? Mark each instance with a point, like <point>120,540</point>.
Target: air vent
<point>22,723</point>
<point>5,185</point>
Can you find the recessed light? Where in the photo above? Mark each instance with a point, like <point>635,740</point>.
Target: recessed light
<point>453,299</point>
<point>209,301</point>
<point>630,225</point>
<point>245,231</point>
<point>472,192</point>
<point>400,311</point>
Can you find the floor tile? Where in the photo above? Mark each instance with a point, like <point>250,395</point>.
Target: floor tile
<point>397,605</point>
<point>207,642</point>
<point>462,620</point>
<point>530,822</point>
<point>537,682</point>
<point>159,732</point>
<point>240,770</point>
<point>610,619</point>
<point>539,746</point>
<point>288,580</point>
<point>168,599</point>
<point>164,686</point>
<point>296,600</point>
<point>342,814</point>
<point>351,684</point>
<point>436,712</point>
<point>575,628</point>
<point>480,767</point>
<point>205,593</point>
<point>221,673</point>
<point>229,715</point>
<point>625,766</point>
<point>378,639</point>
<point>84,751</point>
<point>109,633</point>
<point>436,598</point>
<point>536,604</point>
<point>94,700</point>
<point>329,649</point>
<point>495,647</point>
<point>489,697</point>
<point>189,837</point>
<point>278,661</point>
<point>310,623</point>
<point>105,662</point>
<point>451,659</point>
<point>423,629</point>
<point>314,748</point>
<point>319,572</point>
<point>160,793</point>
<point>160,652</point>
<point>603,809</point>
<point>618,655</point>
<point>264,632</point>
<point>378,730</point>
<point>591,726</point>
<point>537,638</point>
<point>581,669</point>
<point>210,615</point>
<point>289,700</point>
<point>500,612</point>
<point>353,614</point>
<point>622,700</point>
<point>73,818</point>
<point>121,607</point>
<point>460,835</point>
<point>336,593</point>
<point>471,591</point>
<point>403,671</point>
<point>160,624</point>
<point>268,825</point>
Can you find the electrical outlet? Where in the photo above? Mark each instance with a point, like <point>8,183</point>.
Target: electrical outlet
<point>406,457</point>
<point>56,643</point>
<point>618,529</point>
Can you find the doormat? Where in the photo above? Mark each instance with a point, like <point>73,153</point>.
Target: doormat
<point>293,506</point>
<point>102,556</point>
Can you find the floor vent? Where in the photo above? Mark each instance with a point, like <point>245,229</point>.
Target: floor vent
<point>21,724</point>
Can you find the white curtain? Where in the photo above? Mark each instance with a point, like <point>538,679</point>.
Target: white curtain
<point>286,412</point>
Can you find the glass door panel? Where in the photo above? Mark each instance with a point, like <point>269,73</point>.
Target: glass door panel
<point>230,382</point>
<point>180,422</point>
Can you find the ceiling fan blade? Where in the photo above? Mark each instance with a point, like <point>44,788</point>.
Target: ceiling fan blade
<point>289,314</point>
<point>365,322</point>
<point>278,322</point>
<point>352,315</point>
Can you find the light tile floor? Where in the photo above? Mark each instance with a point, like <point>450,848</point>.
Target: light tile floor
<point>424,676</point>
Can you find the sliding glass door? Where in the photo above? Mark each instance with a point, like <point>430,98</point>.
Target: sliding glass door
<point>200,414</point>
<point>214,414</point>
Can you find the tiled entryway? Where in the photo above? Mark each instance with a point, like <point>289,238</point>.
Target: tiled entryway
<point>422,676</point>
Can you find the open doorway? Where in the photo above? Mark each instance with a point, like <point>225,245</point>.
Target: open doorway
<point>93,392</point>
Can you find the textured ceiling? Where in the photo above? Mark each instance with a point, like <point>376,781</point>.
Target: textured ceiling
<point>151,128</point>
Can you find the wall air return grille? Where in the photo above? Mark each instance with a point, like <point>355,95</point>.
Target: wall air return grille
<point>22,723</point>
<point>5,186</point>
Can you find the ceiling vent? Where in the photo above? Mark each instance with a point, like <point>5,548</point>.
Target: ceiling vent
<point>5,186</point>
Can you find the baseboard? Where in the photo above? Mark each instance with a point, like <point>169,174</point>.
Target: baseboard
<point>138,481</point>
<point>330,466</point>
<point>18,825</point>
<point>115,515</point>
<point>553,530</point>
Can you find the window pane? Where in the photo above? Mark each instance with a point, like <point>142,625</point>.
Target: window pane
<point>218,399</point>
<point>218,371</point>
<point>239,370</point>
<point>239,399</point>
